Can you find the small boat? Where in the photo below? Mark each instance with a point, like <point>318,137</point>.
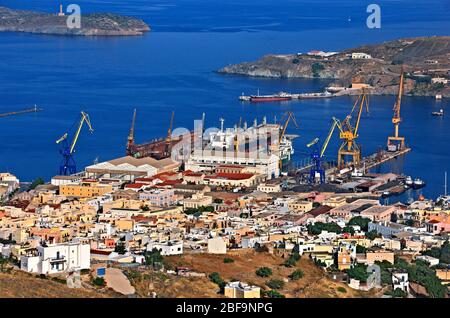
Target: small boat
<point>385,194</point>
<point>418,183</point>
<point>439,113</point>
<point>409,181</point>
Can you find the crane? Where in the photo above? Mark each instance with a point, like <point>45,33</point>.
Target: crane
<point>289,116</point>
<point>168,147</point>
<point>396,142</point>
<point>316,171</point>
<point>68,165</point>
<point>349,132</point>
<point>130,140</point>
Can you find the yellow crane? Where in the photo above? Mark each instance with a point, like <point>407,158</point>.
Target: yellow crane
<point>348,132</point>
<point>289,116</point>
<point>397,142</point>
<point>68,165</point>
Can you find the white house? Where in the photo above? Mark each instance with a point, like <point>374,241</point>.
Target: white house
<point>400,281</point>
<point>360,56</point>
<point>57,258</point>
<point>166,248</point>
<point>217,245</point>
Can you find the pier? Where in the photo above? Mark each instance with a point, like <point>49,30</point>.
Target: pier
<point>35,109</point>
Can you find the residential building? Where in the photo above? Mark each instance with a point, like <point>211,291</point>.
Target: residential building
<point>241,290</point>
<point>57,258</point>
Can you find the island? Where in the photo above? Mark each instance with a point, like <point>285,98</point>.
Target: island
<point>425,61</point>
<point>93,24</point>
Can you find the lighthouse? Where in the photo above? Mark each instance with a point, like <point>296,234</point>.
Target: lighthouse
<point>61,13</point>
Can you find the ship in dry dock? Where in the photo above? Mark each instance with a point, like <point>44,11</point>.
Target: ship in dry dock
<point>268,138</point>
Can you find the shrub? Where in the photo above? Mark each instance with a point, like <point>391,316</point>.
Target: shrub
<point>228,260</point>
<point>153,257</point>
<point>273,294</point>
<point>216,279</point>
<point>263,272</point>
<point>99,281</point>
<point>275,283</point>
<point>341,290</point>
<point>297,274</point>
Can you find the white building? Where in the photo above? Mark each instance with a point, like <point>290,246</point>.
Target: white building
<point>166,248</point>
<point>267,165</point>
<point>360,56</point>
<point>57,258</point>
<point>217,245</point>
<point>269,187</point>
<point>400,281</point>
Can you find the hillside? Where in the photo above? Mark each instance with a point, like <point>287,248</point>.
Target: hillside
<point>104,24</point>
<point>18,284</point>
<point>315,282</point>
<point>422,59</point>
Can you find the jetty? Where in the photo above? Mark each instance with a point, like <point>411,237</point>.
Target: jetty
<point>34,109</point>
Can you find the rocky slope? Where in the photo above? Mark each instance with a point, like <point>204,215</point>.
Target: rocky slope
<point>99,24</point>
<point>422,59</point>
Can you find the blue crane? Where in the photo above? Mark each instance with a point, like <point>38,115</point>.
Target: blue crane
<point>68,166</point>
<point>317,172</point>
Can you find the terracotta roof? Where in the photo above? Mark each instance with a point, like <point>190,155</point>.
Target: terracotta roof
<point>135,185</point>
<point>231,176</point>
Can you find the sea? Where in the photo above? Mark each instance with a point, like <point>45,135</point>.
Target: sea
<point>173,68</point>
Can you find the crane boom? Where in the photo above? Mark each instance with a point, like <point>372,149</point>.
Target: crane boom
<point>67,165</point>
<point>84,119</point>
<point>327,140</point>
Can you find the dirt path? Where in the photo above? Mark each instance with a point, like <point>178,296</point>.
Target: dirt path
<point>117,280</point>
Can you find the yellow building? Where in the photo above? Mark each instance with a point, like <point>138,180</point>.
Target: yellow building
<point>124,225</point>
<point>85,189</point>
<point>241,290</point>
<point>300,206</point>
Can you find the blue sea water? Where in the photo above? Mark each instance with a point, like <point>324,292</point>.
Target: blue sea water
<point>172,68</point>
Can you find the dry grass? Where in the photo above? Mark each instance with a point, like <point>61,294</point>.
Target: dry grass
<point>19,284</point>
<point>315,282</point>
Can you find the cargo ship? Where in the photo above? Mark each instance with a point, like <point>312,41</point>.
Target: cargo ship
<point>280,97</point>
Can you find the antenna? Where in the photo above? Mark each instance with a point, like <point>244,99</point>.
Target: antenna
<point>221,123</point>
<point>445,184</point>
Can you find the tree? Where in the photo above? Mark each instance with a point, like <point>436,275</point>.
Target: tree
<point>153,257</point>
<point>120,248</point>
<point>362,222</point>
<point>145,208</point>
<point>216,279</point>
<point>318,227</point>
<point>275,284</point>
<point>360,249</point>
<point>359,272</point>
<point>348,229</point>
<point>371,235</point>
<point>297,274</point>
<point>36,182</point>
<point>264,272</point>
<point>398,293</point>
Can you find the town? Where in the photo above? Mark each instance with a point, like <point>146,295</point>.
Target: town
<point>228,224</point>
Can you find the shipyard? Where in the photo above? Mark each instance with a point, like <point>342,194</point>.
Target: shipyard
<point>241,153</point>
